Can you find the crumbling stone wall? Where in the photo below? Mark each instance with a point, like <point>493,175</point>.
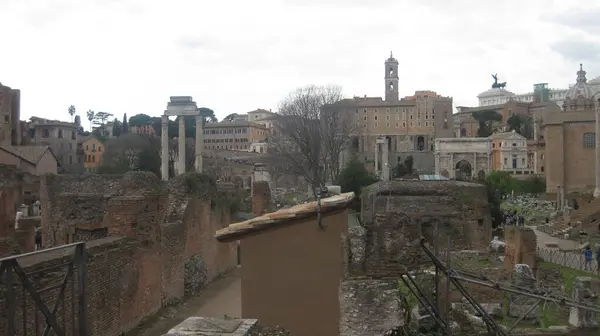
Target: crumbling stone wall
<point>396,214</point>
<point>520,248</point>
<point>159,240</point>
<point>261,197</point>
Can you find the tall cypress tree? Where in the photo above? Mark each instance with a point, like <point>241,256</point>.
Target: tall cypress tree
<point>125,125</point>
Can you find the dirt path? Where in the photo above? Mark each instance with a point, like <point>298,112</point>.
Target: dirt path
<point>222,297</point>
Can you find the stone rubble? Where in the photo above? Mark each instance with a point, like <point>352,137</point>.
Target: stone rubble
<point>532,208</point>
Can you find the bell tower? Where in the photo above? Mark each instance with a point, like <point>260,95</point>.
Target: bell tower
<point>391,79</point>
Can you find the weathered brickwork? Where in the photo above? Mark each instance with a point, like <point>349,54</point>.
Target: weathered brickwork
<point>157,238</point>
<point>261,197</point>
<point>385,245</point>
<point>396,214</point>
<point>521,246</point>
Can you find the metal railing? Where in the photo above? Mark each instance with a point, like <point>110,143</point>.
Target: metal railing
<point>25,296</point>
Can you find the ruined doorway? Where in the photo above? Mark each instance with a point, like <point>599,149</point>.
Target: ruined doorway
<point>463,132</point>
<point>463,170</point>
<point>481,175</point>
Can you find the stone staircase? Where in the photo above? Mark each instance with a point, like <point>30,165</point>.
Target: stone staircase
<point>578,218</point>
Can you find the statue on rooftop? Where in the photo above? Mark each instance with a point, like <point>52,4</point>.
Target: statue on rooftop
<point>497,85</point>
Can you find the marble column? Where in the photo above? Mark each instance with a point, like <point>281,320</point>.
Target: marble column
<point>377,158</point>
<point>164,144</point>
<point>181,141</point>
<point>199,144</point>
<point>385,165</point>
<point>597,168</point>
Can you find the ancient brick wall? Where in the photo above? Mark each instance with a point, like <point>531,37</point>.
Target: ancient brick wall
<point>396,214</point>
<point>261,197</point>
<point>521,247</point>
<point>156,241</point>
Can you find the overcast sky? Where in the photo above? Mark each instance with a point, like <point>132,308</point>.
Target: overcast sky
<point>129,56</point>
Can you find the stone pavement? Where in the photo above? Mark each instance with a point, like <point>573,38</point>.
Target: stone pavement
<point>564,244</point>
<point>220,298</point>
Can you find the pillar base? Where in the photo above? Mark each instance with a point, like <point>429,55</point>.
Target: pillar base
<point>596,192</point>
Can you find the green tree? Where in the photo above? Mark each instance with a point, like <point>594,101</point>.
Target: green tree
<point>90,116</point>
<point>72,111</point>
<point>131,152</point>
<point>354,177</point>
<point>501,181</point>
<point>117,128</point>
<point>125,127</point>
<point>207,114</point>
<point>230,117</point>
<point>486,120</point>
<point>494,200</point>
<point>408,163</point>
<point>140,119</point>
<point>521,124</point>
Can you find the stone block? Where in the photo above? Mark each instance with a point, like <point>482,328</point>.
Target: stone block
<point>583,294</point>
<point>369,307</point>
<point>208,326</point>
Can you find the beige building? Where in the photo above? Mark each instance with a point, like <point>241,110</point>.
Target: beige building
<point>237,135</point>
<point>61,137</point>
<point>408,125</point>
<point>570,141</point>
<point>35,160</point>
<point>510,154</point>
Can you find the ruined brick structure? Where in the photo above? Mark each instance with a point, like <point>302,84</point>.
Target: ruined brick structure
<point>521,246</point>
<point>395,215</point>
<point>156,241</point>
<point>261,197</point>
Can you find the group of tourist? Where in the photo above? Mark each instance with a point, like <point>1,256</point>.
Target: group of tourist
<point>511,217</point>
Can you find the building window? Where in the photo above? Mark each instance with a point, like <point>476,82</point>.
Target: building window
<point>387,124</point>
<point>523,161</point>
<point>397,117</point>
<point>376,125</point>
<point>73,135</point>
<point>403,124</point>
<point>375,117</point>
<point>589,140</point>
<point>505,161</point>
<point>397,125</point>
<point>387,118</point>
<point>60,134</point>
<point>365,118</point>
<point>45,133</point>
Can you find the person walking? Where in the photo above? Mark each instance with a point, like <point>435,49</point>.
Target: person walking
<point>588,258</point>
<point>598,259</point>
<point>38,238</point>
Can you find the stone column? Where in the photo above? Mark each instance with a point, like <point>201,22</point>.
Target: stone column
<point>199,144</point>
<point>164,144</point>
<point>376,158</point>
<point>597,168</point>
<point>181,141</point>
<point>558,207</point>
<point>385,165</point>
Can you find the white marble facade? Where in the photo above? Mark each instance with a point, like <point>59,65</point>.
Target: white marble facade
<point>463,158</point>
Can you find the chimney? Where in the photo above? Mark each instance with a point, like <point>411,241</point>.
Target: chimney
<point>261,197</point>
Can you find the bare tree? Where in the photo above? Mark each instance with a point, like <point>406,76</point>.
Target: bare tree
<point>305,139</point>
<point>337,126</point>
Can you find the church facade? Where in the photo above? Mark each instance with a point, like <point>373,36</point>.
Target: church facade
<point>571,145</point>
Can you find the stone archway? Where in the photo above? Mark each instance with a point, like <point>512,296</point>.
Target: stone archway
<point>463,170</point>
<point>481,175</point>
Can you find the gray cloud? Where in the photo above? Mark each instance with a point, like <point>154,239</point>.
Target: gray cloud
<point>584,20</point>
<point>343,3</point>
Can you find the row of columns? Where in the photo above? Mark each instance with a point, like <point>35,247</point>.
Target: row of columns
<point>164,142</point>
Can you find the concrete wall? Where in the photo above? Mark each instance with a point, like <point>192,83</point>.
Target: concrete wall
<point>291,275</point>
<point>157,247</point>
